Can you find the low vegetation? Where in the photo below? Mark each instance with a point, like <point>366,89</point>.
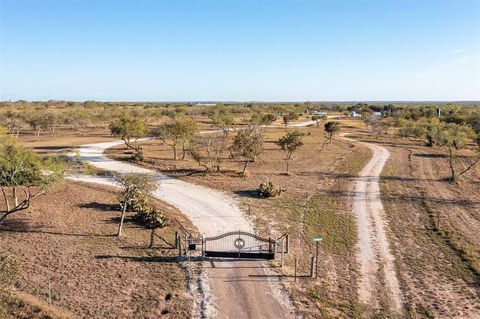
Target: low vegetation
<point>136,189</point>
<point>267,189</point>
<point>7,271</point>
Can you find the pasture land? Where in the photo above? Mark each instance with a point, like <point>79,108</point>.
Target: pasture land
<point>68,239</point>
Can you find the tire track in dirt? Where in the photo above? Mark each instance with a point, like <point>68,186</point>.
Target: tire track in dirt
<point>377,263</point>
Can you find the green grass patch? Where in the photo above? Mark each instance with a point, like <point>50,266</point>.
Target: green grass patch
<point>323,218</point>
<point>337,228</point>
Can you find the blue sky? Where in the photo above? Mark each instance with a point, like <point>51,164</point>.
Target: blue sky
<point>142,50</point>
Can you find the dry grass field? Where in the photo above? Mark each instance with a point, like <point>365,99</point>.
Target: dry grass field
<point>434,230</point>
<point>322,177</point>
<point>435,225</point>
<point>67,238</point>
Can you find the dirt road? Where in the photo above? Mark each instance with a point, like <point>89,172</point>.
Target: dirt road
<point>241,289</point>
<point>377,270</point>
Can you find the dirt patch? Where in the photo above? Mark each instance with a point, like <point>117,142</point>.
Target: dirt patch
<point>66,241</point>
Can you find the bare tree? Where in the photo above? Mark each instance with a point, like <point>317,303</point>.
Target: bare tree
<point>13,121</point>
<point>207,150</point>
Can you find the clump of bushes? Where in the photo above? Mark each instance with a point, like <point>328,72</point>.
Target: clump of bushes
<point>145,214</point>
<point>135,198</point>
<point>152,218</point>
<point>137,201</point>
<point>267,189</point>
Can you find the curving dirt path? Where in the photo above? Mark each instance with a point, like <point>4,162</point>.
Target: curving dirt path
<point>377,270</point>
<point>241,289</point>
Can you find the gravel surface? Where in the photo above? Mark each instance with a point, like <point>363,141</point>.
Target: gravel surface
<point>378,274</point>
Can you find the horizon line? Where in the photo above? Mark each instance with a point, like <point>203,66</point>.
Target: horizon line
<point>247,101</point>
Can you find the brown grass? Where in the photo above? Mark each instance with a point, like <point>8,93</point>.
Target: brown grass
<point>68,238</point>
<point>435,225</point>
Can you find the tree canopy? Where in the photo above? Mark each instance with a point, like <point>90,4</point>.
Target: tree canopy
<point>176,132</point>
<point>247,145</point>
<point>290,143</point>
<point>130,130</point>
<point>454,137</point>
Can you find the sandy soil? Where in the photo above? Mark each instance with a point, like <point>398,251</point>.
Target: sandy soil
<point>377,263</point>
<point>67,238</point>
<point>213,213</point>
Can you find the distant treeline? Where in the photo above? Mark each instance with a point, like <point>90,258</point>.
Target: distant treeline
<point>49,115</point>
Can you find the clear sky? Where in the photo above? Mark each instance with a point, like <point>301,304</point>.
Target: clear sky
<point>141,50</point>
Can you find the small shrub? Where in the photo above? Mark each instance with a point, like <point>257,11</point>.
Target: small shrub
<point>267,189</point>
<point>137,202</point>
<point>152,218</point>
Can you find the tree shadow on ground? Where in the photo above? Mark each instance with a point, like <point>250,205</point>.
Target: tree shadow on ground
<point>429,155</point>
<point>100,206</point>
<point>52,147</point>
<point>155,259</point>
<point>248,193</point>
<point>410,198</point>
<point>182,171</point>
<point>18,225</point>
<point>352,177</point>
<point>22,226</point>
<point>437,155</point>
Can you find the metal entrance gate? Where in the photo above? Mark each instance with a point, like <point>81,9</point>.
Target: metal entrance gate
<point>239,245</point>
